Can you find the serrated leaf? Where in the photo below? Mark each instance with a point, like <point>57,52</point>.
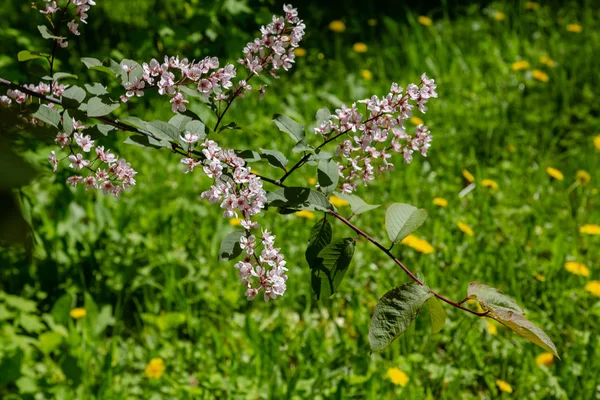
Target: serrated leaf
<point>97,108</point>
<point>179,121</point>
<point>74,93</point>
<point>395,312</point>
<point>230,246</point>
<point>332,263</point>
<point>96,89</point>
<point>437,314</point>
<point>25,55</point>
<point>289,126</point>
<point>524,328</point>
<point>47,115</point>
<point>492,298</point>
<point>328,175</point>
<point>274,157</point>
<point>403,219</point>
<point>299,198</point>
<point>46,34</point>
<point>357,204</point>
<point>163,130</point>
<point>320,236</point>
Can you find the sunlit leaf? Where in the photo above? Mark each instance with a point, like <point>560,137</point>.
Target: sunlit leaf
<point>403,219</point>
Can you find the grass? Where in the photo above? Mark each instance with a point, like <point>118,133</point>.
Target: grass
<point>150,258</point>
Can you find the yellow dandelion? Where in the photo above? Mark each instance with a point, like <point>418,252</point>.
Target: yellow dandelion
<point>577,268</point>
<point>519,65</point>
<point>235,221</point>
<point>547,61</point>
<point>499,16</point>
<point>336,201</point>
<point>576,28</point>
<point>504,386</point>
<point>366,74</point>
<point>311,181</point>
<point>540,277</point>
<point>372,22</point>
<point>556,174</point>
<point>597,142</point>
<point>397,376</point>
<point>306,214</point>
<point>416,121</point>
<point>420,245</point>
<point>488,183</point>
<point>300,52</point>
<point>590,229</point>
<point>468,176</point>
<point>155,368</point>
<point>360,47</point>
<point>540,75</point>
<point>465,228</point>
<point>337,26</point>
<point>440,201</point>
<point>583,177</point>
<point>532,5</point>
<point>545,359</point>
<point>423,20</point>
<point>492,328</point>
<point>593,287</point>
<point>78,313</point>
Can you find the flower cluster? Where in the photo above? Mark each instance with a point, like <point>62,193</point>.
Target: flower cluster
<point>81,6</point>
<point>275,48</point>
<point>380,134</point>
<point>107,172</point>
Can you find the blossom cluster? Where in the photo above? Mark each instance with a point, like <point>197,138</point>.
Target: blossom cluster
<point>81,7</point>
<point>379,134</point>
<point>107,172</point>
<point>275,48</point>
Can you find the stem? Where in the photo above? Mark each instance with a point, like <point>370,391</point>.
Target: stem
<point>404,268</point>
<point>54,47</point>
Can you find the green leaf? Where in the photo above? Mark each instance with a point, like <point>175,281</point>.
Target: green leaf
<point>323,115</point>
<point>47,115</point>
<point>163,130</point>
<point>357,204</point>
<point>135,122</point>
<point>299,198</point>
<point>230,246</point>
<point>63,75</point>
<point>320,237</point>
<point>525,328</point>
<point>492,298</point>
<point>328,175</point>
<point>25,55</point>
<point>395,312</point>
<point>96,89</point>
<point>403,219</point>
<point>19,303</point>
<point>334,260</point>
<point>97,65</point>
<point>248,155</point>
<point>46,34</point>
<point>96,108</point>
<point>289,126</point>
<point>31,323</point>
<point>74,93</point>
<point>229,126</point>
<point>196,127</point>
<point>67,122</point>
<point>275,158</point>
<point>437,314</point>
<point>49,341</point>
<point>301,146</point>
<point>145,141</point>
<point>179,121</point>
<point>104,129</point>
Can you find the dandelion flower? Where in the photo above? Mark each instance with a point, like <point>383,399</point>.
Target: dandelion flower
<point>593,287</point>
<point>300,52</point>
<point>488,183</point>
<point>597,142</point>
<point>545,359</point>
<point>540,75</point>
<point>532,5</point>
<point>336,201</point>
<point>372,22</point>
<point>423,20</point>
<point>504,386</point>
<point>360,47</point>
<point>78,313</point>
<point>499,16</point>
<point>416,121</point>
<point>519,65</point>
<point>583,177</point>
<point>311,181</point>
<point>468,176</point>
<point>547,61</point>
<point>556,174</point>
<point>465,228</point>
<point>439,201</point>
<point>397,376</point>
<point>420,245</point>
<point>155,368</point>
<point>235,221</point>
<point>577,268</point>
<point>590,229</point>
<point>492,328</point>
<point>337,26</point>
<point>576,28</point>
<point>366,74</point>
<point>306,214</point>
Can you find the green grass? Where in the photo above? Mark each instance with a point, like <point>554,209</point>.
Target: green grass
<point>150,257</point>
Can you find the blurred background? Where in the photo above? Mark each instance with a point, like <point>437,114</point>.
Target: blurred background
<point>511,186</point>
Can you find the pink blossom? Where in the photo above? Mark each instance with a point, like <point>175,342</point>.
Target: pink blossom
<point>178,103</point>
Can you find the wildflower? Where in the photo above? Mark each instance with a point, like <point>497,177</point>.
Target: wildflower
<point>155,368</point>
<point>426,21</point>
<point>178,103</point>
<point>488,183</point>
<point>416,121</point>
<point>311,181</point>
<point>554,173</point>
<point>235,221</point>
<point>499,16</point>
<point>372,22</point>
<point>590,229</point>
<point>78,161</point>
<point>492,328</point>
<point>597,142</point>
<point>397,376</point>
<point>73,27</point>
<point>593,287</point>
<point>583,177</point>
<point>547,61</point>
<point>439,201</point>
<point>53,161</point>
<point>532,5</point>
<point>576,28</point>
<point>306,214</point>
<point>360,47</point>
<point>504,386</point>
<point>336,201</point>
<point>519,65</point>
<point>337,26</point>
<point>468,176</point>
<point>577,268</point>
<point>78,313</point>
<point>465,228</point>
<point>544,360</point>
<point>300,52</point>
<point>420,245</point>
<point>540,75</point>
<point>190,137</point>
<point>366,74</point>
